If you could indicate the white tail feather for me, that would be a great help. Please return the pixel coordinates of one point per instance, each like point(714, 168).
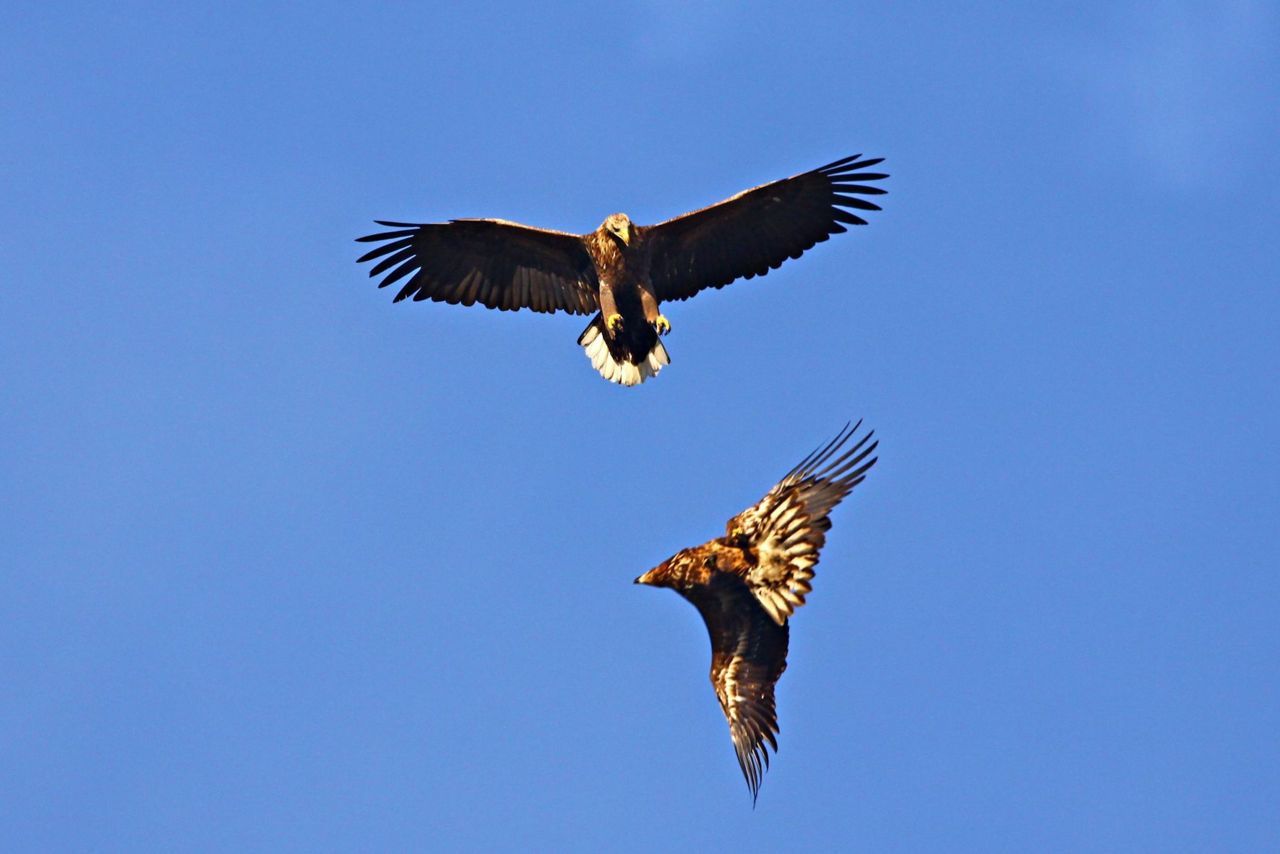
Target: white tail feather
point(625, 373)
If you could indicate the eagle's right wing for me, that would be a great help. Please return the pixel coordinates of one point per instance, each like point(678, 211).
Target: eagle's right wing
point(499, 264)
point(787, 528)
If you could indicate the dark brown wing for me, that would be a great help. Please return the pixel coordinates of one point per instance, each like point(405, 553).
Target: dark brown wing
point(496, 263)
point(756, 230)
point(748, 654)
point(787, 528)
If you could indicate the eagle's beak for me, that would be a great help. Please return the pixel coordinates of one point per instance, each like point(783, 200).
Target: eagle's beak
point(646, 578)
point(625, 234)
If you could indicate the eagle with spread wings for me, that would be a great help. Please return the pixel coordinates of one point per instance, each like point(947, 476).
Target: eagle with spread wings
point(747, 583)
point(623, 272)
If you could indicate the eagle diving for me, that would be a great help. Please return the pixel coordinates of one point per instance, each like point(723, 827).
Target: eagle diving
point(748, 583)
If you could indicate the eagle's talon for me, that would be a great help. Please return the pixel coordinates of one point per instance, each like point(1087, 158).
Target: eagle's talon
point(614, 323)
point(661, 325)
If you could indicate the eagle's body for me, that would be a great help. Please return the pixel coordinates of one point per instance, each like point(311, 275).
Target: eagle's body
point(630, 351)
point(622, 272)
point(747, 584)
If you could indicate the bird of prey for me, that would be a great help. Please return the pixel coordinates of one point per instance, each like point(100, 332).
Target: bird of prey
point(622, 272)
point(748, 582)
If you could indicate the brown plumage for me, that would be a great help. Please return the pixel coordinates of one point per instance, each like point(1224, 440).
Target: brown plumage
point(622, 271)
point(747, 583)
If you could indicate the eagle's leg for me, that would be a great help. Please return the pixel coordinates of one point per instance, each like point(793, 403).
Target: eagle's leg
point(651, 314)
point(609, 308)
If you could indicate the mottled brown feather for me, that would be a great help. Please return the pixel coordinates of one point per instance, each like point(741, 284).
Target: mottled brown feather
point(736, 590)
point(748, 655)
point(786, 529)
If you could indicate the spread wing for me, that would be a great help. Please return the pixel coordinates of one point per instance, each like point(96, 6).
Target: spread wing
point(755, 231)
point(748, 654)
point(496, 263)
point(787, 528)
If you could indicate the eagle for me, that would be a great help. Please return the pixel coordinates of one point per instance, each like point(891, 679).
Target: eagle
point(623, 272)
point(747, 584)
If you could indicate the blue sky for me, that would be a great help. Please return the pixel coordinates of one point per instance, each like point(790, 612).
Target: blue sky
point(286, 566)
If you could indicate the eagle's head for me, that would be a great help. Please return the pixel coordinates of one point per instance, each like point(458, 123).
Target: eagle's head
point(686, 568)
point(619, 226)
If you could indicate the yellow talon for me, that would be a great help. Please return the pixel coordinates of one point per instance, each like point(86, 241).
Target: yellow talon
point(614, 323)
point(662, 325)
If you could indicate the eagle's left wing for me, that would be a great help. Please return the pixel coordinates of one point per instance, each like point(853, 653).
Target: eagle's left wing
point(755, 231)
point(787, 528)
point(748, 654)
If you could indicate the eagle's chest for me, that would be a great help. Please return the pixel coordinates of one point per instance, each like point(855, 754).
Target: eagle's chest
point(621, 269)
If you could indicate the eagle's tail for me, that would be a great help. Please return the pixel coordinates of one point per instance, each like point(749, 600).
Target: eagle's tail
point(629, 359)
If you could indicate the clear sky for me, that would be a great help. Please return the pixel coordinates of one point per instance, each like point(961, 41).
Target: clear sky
point(288, 567)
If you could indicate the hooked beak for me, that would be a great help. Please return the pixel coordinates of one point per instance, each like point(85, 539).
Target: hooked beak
point(625, 234)
point(646, 578)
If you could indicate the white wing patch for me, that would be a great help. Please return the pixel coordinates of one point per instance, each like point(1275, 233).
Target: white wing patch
point(752, 721)
point(787, 548)
point(787, 528)
point(746, 662)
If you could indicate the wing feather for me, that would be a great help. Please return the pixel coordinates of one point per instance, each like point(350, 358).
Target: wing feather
point(787, 528)
point(500, 264)
point(748, 655)
point(755, 231)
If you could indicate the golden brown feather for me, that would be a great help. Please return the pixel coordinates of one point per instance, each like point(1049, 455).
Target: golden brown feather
point(747, 583)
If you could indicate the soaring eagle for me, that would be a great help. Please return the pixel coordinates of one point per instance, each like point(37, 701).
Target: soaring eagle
point(748, 582)
point(623, 271)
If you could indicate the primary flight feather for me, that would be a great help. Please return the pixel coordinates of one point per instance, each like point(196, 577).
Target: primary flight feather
point(748, 583)
point(622, 272)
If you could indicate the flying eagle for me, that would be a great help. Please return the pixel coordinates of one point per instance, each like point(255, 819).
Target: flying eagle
point(622, 272)
point(748, 582)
